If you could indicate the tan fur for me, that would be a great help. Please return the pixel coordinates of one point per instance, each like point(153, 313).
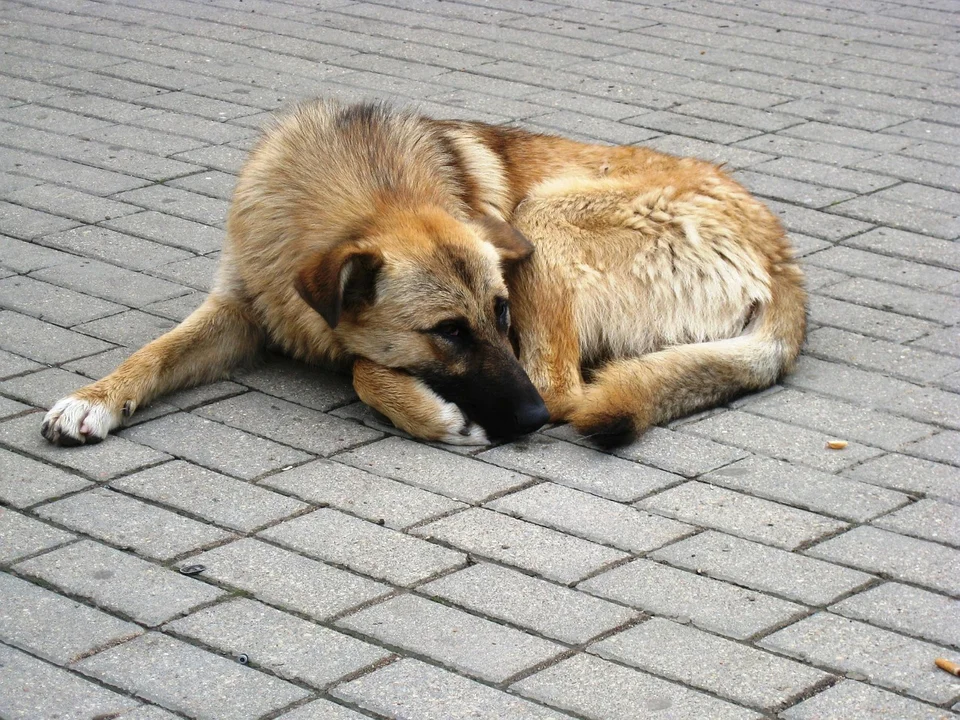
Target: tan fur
point(354, 232)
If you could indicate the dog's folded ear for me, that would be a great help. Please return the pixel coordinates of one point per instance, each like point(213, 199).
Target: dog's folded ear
point(342, 278)
point(512, 245)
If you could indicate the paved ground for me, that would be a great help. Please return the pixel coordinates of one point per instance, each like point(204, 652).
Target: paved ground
point(729, 566)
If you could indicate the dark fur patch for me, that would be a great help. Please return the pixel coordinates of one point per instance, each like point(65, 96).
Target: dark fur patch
point(611, 432)
point(366, 114)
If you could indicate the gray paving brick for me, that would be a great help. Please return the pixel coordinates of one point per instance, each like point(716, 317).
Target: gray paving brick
point(548, 609)
point(360, 493)
point(663, 449)
point(806, 149)
point(907, 301)
point(913, 364)
point(467, 643)
point(690, 598)
point(292, 648)
point(128, 523)
point(24, 257)
point(925, 172)
point(921, 196)
point(926, 519)
point(190, 680)
point(841, 419)
point(412, 689)
point(880, 209)
point(287, 423)
point(110, 282)
point(70, 203)
point(51, 303)
point(178, 308)
point(779, 440)
point(854, 699)
point(884, 268)
point(580, 467)
point(454, 476)
point(741, 515)
point(840, 115)
point(865, 320)
point(587, 516)
point(298, 383)
point(53, 627)
point(893, 556)
point(31, 688)
point(806, 488)
point(906, 609)
point(796, 191)
point(590, 129)
point(210, 496)
point(138, 138)
point(22, 536)
point(942, 341)
point(364, 547)
point(215, 446)
point(43, 341)
point(10, 408)
point(910, 474)
point(11, 365)
point(599, 689)
point(195, 272)
point(760, 119)
point(171, 231)
point(132, 329)
point(212, 183)
point(763, 568)
point(114, 247)
point(941, 447)
point(885, 658)
point(735, 672)
point(322, 710)
point(145, 592)
point(99, 462)
point(730, 156)
point(287, 580)
point(548, 553)
point(24, 481)
point(866, 139)
point(172, 201)
point(815, 222)
point(23, 222)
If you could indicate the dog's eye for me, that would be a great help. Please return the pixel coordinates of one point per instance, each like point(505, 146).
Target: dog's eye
point(502, 310)
point(450, 330)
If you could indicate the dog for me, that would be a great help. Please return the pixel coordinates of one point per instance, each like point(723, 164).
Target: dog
point(480, 281)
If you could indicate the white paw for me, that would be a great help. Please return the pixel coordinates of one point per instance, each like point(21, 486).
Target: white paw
point(461, 431)
point(73, 421)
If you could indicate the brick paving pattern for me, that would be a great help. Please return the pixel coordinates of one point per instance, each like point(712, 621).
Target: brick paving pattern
point(726, 566)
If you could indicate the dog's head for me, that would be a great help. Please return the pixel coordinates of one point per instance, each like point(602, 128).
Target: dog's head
point(423, 292)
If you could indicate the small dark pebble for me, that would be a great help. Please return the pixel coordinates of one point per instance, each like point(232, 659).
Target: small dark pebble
point(381, 521)
point(243, 659)
point(192, 569)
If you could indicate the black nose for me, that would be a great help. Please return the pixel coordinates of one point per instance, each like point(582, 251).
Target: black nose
point(530, 417)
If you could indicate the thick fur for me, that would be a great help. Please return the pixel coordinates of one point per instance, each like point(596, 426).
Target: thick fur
point(388, 242)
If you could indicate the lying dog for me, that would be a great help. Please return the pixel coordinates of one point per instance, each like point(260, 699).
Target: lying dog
point(480, 281)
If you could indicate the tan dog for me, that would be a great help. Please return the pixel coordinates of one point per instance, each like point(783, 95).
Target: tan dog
point(396, 244)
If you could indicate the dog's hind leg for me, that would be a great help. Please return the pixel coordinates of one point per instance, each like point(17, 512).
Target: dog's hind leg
point(628, 395)
point(412, 406)
point(218, 335)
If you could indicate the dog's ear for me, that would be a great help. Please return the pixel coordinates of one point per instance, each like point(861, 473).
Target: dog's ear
point(510, 242)
point(339, 279)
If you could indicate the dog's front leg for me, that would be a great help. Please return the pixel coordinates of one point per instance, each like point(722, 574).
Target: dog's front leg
point(217, 336)
point(412, 406)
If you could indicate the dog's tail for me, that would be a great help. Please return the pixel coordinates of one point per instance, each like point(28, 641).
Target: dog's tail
point(628, 395)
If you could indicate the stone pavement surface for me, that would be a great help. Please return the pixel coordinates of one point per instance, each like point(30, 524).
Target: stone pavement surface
point(727, 566)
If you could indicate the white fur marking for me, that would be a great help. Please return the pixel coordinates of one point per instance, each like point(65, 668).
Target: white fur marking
point(79, 419)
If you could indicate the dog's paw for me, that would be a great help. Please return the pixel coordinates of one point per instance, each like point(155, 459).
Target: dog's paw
point(460, 430)
point(74, 421)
